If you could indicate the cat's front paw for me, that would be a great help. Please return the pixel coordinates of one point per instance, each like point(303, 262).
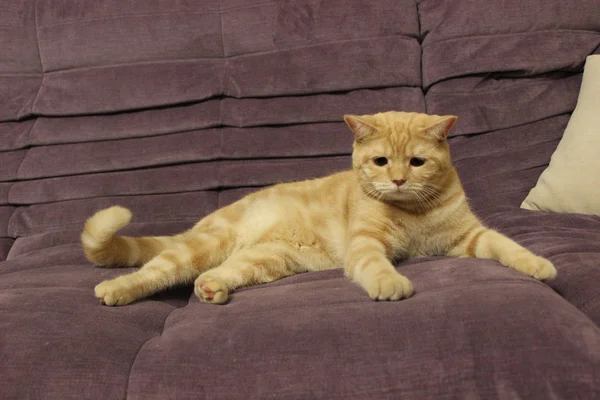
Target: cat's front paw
point(388, 285)
point(210, 289)
point(535, 266)
point(115, 292)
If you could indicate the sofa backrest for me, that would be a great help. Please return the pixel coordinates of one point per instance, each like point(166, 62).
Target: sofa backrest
point(175, 108)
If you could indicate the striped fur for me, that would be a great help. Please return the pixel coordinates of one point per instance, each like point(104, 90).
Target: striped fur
point(359, 219)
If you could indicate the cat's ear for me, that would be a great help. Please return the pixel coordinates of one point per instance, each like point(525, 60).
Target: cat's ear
point(441, 128)
point(359, 126)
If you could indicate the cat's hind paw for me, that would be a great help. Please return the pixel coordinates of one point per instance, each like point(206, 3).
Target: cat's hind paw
point(114, 292)
point(210, 290)
point(536, 267)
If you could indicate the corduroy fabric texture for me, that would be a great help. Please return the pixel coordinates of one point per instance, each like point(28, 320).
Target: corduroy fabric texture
point(175, 108)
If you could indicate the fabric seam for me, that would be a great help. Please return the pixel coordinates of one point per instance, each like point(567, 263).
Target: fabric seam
point(524, 33)
point(142, 347)
point(402, 37)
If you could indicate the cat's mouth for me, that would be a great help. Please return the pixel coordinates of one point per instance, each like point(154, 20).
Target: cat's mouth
point(391, 191)
point(405, 192)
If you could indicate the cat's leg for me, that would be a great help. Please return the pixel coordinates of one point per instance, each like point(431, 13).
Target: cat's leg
point(261, 263)
point(368, 265)
point(482, 242)
point(179, 264)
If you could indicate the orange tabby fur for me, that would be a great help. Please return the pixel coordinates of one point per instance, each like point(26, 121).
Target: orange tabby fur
point(358, 219)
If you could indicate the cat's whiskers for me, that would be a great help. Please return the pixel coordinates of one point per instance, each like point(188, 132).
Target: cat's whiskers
point(426, 202)
point(431, 189)
point(422, 201)
point(372, 191)
point(418, 199)
point(431, 194)
point(431, 198)
point(375, 191)
point(426, 196)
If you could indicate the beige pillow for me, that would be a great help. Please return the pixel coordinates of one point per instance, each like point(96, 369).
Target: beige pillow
point(571, 183)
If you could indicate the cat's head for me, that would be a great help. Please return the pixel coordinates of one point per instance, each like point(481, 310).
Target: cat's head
point(401, 156)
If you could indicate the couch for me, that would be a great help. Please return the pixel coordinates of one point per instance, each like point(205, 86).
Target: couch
point(175, 108)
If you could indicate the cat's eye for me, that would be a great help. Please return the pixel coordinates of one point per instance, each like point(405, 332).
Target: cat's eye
point(380, 161)
point(417, 162)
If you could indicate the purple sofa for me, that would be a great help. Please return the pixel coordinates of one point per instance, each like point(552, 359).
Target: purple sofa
point(175, 108)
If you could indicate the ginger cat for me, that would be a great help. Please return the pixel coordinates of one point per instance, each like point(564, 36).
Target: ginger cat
point(403, 198)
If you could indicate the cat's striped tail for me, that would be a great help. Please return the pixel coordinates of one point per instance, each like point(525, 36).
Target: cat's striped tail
point(102, 247)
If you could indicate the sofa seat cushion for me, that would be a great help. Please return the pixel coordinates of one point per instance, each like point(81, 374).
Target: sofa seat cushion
point(473, 329)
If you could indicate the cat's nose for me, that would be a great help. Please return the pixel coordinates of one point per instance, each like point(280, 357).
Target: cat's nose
point(399, 182)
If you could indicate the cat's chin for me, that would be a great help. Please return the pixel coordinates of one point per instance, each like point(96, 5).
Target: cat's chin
point(396, 195)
